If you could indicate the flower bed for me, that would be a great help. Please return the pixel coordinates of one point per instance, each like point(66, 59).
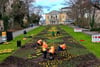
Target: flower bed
point(4, 51)
point(73, 56)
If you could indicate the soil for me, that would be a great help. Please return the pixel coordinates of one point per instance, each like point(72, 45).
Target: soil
point(74, 56)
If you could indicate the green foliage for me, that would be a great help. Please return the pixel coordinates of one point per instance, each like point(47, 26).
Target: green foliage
point(95, 29)
point(19, 11)
point(0, 33)
point(35, 18)
point(92, 23)
point(0, 16)
point(5, 19)
point(54, 40)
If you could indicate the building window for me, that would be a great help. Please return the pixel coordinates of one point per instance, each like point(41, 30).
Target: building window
point(56, 16)
point(63, 16)
point(47, 17)
point(51, 16)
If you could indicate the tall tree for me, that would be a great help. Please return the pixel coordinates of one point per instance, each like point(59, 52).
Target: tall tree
point(27, 3)
point(81, 11)
point(35, 18)
point(2, 7)
point(96, 3)
point(18, 12)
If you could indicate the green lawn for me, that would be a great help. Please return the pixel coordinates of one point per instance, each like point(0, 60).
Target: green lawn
point(12, 44)
point(92, 47)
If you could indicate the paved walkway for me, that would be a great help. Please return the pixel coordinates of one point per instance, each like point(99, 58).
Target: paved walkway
point(86, 31)
point(17, 33)
point(21, 31)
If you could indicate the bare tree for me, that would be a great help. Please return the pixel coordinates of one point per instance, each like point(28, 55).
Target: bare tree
point(37, 15)
point(96, 3)
point(81, 11)
point(2, 6)
point(27, 3)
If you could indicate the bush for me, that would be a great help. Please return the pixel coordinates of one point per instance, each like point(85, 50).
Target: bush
point(95, 29)
point(5, 19)
point(0, 33)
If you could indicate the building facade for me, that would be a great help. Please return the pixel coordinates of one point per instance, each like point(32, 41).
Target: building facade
point(52, 17)
point(57, 17)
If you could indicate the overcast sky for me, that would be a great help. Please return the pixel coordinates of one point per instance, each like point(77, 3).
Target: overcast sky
point(49, 5)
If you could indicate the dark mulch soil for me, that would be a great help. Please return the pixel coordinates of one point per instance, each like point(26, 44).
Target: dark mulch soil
point(18, 62)
point(88, 60)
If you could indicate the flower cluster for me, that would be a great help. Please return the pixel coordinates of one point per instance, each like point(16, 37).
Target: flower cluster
point(6, 51)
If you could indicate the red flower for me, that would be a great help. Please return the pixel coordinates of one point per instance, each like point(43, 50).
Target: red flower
point(82, 40)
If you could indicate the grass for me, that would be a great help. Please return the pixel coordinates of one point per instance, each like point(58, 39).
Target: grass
point(12, 44)
point(92, 47)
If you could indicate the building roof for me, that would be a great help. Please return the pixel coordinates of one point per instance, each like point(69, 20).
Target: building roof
point(53, 12)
